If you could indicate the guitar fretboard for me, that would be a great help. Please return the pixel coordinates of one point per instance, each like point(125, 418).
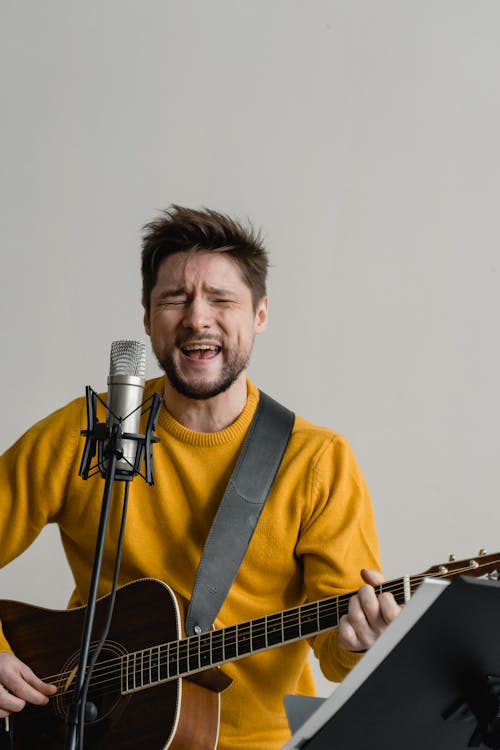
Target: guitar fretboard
point(169, 661)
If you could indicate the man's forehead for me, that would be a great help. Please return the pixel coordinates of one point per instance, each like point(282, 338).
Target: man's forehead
point(212, 269)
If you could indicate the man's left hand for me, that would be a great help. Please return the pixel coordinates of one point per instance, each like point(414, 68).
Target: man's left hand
point(368, 614)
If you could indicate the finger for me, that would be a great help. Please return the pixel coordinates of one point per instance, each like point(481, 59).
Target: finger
point(347, 638)
point(39, 685)
point(362, 613)
point(22, 690)
point(389, 608)
point(370, 606)
point(373, 577)
point(18, 689)
point(22, 686)
point(10, 703)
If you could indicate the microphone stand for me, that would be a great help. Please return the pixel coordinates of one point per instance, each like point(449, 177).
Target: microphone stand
point(108, 444)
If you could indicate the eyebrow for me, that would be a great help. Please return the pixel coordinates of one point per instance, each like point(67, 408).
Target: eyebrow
point(221, 292)
point(171, 292)
point(181, 290)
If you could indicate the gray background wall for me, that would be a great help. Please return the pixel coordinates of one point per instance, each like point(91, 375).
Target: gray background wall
point(362, 136)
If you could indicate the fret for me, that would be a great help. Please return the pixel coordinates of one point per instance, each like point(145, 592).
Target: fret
point(124, 675)
point(327, 617)
point(244, 639)
point(291, 630)
point(205, 652)
point(138, 666)
point(134, 658)
point(302, 614)
point(182, 656)
point(238, 641)
point(308, 616)
point(217, 648)
point(274, 629)
point(141, 668)
point(193, 649)
point(230, 651)
point(259, 634)
point(148, 653)
point(167, 661)
point(153, 665)
point(131, 672)
point(158, 663)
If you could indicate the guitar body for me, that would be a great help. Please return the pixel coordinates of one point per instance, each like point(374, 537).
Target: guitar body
point(178, 715)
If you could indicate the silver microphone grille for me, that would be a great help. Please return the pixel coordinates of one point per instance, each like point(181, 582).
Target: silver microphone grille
point(128, 358)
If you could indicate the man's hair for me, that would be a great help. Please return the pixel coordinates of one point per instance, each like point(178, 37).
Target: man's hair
point(181, 229)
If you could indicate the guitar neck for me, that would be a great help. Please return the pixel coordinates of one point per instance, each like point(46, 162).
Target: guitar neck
point(196, 653)
point(182, 658)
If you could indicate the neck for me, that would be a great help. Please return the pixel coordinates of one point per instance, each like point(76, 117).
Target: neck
point(211, 414)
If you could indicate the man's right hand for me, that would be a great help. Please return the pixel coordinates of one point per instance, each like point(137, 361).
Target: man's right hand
point(20, 685)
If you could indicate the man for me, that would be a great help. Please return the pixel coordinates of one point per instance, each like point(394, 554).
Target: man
point(204, 297)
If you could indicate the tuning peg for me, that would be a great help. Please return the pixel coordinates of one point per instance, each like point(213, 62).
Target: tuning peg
point(482, 552)
point(451, 558)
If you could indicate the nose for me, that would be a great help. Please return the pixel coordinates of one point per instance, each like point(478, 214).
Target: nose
point(197, 315)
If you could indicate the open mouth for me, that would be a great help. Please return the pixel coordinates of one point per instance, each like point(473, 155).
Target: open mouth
point(200, 351)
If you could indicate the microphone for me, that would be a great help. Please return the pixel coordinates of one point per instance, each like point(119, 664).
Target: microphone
point(126, 380)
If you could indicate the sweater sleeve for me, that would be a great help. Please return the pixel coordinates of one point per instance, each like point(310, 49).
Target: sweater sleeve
point(338, 539)
point(34, 478)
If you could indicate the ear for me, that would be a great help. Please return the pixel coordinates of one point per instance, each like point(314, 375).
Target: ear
point(261, 315)
point(146, 324)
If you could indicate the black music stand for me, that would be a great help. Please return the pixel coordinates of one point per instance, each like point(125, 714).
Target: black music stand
point(431, 682)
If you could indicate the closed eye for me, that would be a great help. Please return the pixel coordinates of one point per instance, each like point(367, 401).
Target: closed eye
point(222, 301)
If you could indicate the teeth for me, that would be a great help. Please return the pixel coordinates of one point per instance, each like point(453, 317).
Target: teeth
point(197, 347)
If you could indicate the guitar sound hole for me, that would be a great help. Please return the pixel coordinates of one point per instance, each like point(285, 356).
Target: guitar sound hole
point(104, 689)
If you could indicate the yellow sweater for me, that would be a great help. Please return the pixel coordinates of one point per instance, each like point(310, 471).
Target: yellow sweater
point(315, 533)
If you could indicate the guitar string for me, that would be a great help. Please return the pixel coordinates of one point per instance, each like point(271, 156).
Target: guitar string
point(110, 670)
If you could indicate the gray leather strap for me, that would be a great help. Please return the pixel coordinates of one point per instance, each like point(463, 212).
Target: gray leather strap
point(239, 511)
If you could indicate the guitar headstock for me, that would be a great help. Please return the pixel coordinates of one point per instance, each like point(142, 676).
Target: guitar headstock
point(480, 565)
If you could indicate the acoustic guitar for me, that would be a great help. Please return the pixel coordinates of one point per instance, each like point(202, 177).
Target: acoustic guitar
point(152, 688)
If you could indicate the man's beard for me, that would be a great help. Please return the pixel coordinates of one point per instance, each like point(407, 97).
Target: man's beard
point(205, 390)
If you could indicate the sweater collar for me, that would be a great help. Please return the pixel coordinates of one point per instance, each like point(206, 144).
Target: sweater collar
point(234, 431)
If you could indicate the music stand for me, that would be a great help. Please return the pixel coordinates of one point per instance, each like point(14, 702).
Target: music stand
point(430, 682)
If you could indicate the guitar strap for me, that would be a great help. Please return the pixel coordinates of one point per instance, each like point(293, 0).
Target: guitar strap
point(239, 511)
